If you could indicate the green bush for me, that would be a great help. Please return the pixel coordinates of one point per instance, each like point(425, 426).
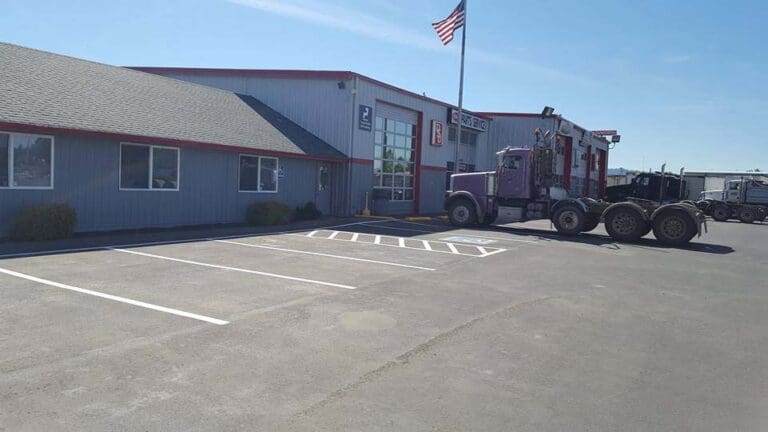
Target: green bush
point(308, 211)
point(45, 222)
point(268, 213)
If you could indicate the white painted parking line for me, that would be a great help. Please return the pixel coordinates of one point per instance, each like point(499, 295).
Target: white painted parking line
point(325, 255)
point(401, 242)
point(333, 236)
point(452, 248)
point(487, 254)
point(168, 242)
point(426, 244)
point(377, 239)
point(220, 267)
point(116, 298)
point(355, 237)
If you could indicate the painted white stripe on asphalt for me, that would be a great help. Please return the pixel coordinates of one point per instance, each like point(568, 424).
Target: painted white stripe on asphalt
point(482, 250)
point(427, 247)
point(273, 275)
point(377, 239)
point(182, 241)
point(452, 248)
point(325, 255)
point(355, 236)
point(333, 235)
point(116, 298)
point(401, 242)
point(492, 253)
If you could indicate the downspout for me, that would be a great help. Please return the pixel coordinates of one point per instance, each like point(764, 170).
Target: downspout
point(351, 147)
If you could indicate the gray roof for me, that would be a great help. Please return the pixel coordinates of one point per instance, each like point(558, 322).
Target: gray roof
point(55, 91)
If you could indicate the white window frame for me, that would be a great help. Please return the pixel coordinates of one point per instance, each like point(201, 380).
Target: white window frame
point(151, 170)
point(10, 162)
point(258, 178)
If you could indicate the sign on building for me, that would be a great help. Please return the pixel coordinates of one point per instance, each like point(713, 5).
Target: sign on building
point(365, 118)
point(437, 133)
point(467, 120)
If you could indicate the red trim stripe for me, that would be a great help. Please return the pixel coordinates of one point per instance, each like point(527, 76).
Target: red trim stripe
point(143, 139)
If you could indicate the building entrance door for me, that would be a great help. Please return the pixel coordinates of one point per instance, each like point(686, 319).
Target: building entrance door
point(323, 193)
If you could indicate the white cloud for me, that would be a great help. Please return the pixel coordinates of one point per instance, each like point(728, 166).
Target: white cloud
point(346, 19)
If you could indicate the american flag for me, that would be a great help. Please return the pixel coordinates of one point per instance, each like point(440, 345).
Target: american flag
point(446, 27)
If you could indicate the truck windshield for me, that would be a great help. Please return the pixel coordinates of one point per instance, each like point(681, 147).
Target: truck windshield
point(512, 162)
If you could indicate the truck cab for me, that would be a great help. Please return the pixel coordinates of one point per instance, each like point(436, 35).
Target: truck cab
point(647, 186)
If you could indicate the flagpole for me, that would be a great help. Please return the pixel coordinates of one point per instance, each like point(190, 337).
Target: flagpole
point(461, 91)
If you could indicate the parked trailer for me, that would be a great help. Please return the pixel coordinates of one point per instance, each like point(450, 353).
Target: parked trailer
point(522, 189)
point(744, 199)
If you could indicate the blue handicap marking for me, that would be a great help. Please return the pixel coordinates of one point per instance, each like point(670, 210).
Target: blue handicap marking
point(470, 240)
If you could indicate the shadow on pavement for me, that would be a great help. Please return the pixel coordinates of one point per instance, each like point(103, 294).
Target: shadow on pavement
point(407, 229)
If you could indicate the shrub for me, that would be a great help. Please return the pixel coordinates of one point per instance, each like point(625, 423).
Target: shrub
point(268, 213)
point(308, 211)
point(45, 222)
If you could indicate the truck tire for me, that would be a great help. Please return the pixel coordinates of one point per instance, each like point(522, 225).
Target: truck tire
point(592, 222)
point(625, 224)
point(569, 219)
point(461, 213)
point(747, 215)
point(674, 227)
point(721, 212)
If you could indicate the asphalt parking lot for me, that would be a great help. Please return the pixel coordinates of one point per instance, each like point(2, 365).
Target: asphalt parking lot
point(390, 325)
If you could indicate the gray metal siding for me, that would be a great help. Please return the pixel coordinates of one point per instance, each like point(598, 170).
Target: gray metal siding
point(86, 177)
point(318, 106)
point(432, 191)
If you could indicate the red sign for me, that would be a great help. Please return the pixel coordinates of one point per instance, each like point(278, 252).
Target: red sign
point(437, 133)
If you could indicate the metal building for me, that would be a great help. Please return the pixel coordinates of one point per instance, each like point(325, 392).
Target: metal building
point(200, 145)
point(697, 182)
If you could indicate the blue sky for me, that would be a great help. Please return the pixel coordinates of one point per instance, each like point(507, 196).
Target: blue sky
point(684, 81)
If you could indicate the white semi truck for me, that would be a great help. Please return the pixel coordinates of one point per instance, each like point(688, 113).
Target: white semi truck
point(743, 199)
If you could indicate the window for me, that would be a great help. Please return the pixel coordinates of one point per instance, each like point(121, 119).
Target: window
point(512, 162)
point(394, 157)
point(258, 174)
point(467, 137)
point(26, 161)
point(144, 167)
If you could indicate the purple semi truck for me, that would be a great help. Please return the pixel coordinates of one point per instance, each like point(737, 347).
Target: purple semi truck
point(523, 188)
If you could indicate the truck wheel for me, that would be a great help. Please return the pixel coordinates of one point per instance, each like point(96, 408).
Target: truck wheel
point(747, 215)
point(462, 213)
point(721, 213)
point(569, 219)
point(592, 222)
point(674, 227)
point(625, 224)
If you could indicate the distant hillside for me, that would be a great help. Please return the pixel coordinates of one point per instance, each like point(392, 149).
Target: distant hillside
point(620, 171)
